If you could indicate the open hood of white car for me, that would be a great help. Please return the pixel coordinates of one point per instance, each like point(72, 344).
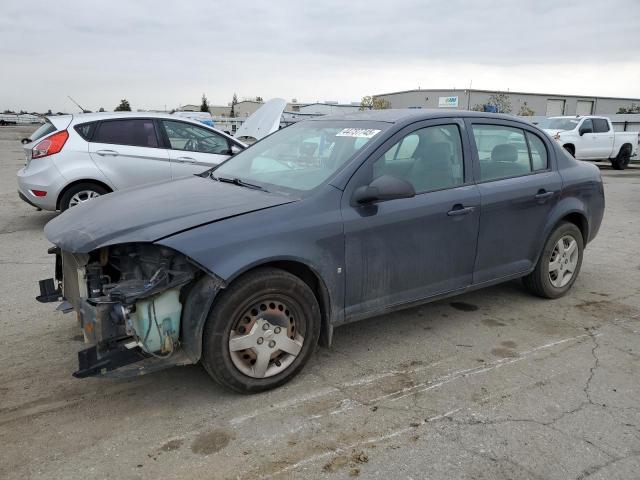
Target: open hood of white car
point(264, 121)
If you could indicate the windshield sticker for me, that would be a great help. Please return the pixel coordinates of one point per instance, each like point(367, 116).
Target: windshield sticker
point(357, 132)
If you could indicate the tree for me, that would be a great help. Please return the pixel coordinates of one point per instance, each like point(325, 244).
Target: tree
point(526, 111)
point(234, 102)
point(374, 103)
point(123, 107)
point(101, 109)
point(501, 101)
point(634, 108)
point(204, 106)
point(259, 99)
point(498, 102)
point(49, 112)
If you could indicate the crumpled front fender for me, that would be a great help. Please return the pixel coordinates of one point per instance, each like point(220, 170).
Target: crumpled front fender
point(196, 307)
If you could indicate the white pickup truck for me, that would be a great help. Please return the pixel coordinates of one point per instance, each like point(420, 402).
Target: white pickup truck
point(593, 138)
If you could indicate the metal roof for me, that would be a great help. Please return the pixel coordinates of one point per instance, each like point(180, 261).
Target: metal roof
point(507, 92)
point(395, 115)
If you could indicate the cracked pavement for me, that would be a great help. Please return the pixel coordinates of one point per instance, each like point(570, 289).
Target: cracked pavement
point(495, 384)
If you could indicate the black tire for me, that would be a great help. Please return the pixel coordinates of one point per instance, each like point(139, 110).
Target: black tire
point(622, 159)
point(66, 197)
point(538, 282)
point(229, 309)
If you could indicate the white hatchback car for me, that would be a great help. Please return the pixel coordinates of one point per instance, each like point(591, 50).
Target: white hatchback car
point(73, 158)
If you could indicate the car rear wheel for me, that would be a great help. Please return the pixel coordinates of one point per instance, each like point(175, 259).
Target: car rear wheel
point(80, 193)
point(559, 264)
point(261, 331)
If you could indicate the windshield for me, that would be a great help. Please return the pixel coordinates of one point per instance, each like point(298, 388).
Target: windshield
point(559, 123)
point(300, 157)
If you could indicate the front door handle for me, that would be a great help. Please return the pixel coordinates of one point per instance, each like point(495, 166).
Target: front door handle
point(185, 160)
point(107, 153)
point(543, 195)
point(460, 209)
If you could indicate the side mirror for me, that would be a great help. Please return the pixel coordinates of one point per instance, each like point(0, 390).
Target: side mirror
point(382, 189)
point(234, 150)
point(24, 141)
point(582, 131)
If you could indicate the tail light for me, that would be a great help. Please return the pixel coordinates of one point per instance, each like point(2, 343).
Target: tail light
point(50, 145)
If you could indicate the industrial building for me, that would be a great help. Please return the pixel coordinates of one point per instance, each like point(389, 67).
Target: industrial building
point(538, 104)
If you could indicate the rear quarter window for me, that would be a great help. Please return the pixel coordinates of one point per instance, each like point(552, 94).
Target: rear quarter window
point(85, 130)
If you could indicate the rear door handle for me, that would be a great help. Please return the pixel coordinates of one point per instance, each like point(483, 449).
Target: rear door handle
point(543, 195)
point(460, 209)
point(107, 153)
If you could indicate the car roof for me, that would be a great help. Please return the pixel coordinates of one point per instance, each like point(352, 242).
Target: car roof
point(401, 115)
point(88, 117)
point(76, 118)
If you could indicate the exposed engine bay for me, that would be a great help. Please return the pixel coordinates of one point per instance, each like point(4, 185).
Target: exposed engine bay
point(129, 300)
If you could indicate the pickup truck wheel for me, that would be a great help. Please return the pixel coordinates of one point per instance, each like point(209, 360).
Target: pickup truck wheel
point(80, 193)
point(261, 331)
point(559, 264)
point(622, 160)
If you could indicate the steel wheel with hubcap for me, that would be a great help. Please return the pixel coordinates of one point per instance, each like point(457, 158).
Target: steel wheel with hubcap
point(264, 341)
point(559, 263)
point(261, 331)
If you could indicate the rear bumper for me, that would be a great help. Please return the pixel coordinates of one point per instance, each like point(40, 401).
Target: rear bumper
point(25, 199)
point(43, 177)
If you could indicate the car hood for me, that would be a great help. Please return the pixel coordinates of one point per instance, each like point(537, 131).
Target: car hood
point(153, 212)
point(553, 131)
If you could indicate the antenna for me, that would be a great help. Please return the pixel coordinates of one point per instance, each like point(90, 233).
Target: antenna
point(82, 110)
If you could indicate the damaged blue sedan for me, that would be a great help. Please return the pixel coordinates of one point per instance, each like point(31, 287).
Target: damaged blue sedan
point(245, 268)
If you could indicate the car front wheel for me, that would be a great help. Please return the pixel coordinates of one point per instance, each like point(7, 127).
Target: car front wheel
point(559, 264)
point(261, 331)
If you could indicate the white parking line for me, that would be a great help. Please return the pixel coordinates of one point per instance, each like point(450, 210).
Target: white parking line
point(368, 441)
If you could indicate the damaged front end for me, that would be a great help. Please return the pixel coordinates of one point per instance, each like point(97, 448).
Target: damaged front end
point(130, 302)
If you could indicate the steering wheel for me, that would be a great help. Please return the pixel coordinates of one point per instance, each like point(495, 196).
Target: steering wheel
point(191, 145)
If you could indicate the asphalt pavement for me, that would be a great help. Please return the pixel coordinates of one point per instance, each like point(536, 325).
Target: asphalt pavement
point(495, 384)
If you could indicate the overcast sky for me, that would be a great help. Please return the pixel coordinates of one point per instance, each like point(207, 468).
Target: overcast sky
point(168, 52)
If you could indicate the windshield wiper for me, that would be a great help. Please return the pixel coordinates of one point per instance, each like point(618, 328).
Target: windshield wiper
point(238, 182)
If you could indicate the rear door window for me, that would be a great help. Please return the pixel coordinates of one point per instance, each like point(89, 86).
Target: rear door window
point(191, 138)
point(600, 125)
point(136, 132)
point(539, 158)
point(502, 151)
